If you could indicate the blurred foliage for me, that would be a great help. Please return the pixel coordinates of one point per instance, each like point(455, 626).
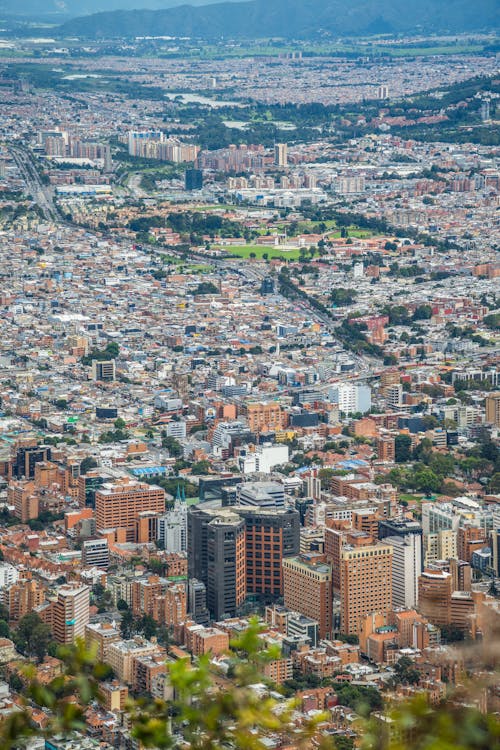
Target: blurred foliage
point(209, 712)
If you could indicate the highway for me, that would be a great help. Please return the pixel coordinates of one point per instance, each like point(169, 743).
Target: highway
point(34, 184)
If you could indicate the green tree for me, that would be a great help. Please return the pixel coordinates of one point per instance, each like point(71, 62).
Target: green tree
point(88, 463)
point(402, 448)
point(127, 624)
point(405, 672)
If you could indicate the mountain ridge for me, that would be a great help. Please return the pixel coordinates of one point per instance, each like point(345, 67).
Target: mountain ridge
point(291, 18)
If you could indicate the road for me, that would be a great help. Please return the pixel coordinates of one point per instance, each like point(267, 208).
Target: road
point(41, 195)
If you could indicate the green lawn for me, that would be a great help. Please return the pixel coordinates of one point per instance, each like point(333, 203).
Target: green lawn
point(360, 234)
point(243, 251)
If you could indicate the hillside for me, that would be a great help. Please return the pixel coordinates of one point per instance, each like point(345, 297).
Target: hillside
point(292, 18)
point(61, 11)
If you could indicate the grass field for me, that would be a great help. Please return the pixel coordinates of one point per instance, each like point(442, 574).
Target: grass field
point(243, 251)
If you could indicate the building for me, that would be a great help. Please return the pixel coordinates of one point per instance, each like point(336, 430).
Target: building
point(201, 640)
point(26, 502)
point(217, 557)
point(264, 416)
point(492, 406)
point(406, 569)
point(281, 154)
point(114, 696)
point(104, 371)
point(101, 635)
point(469, 539)
point(307, 584)
point(441, 545)
point(118, 505)
point(270, 536)
point(121, 655)
point(23, 597)
point(70, 613)
point(8, 575)
point(172, 528)
point(193, 179)
point(95, 554)
point(261, 494)
point(365, 583)
point(435, 588)
point(351, 398)
point(197, 602)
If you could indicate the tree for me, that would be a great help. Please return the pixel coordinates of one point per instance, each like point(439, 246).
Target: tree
point(121, 605)
point(422, 312)
point(200, 467)
point(427, 481)
point(39, 641)
point(127, 624)
point(172, 445)
point(148, 626)
point(405, 672)
point(88, 463)
point(203, 716)
point(402, 448)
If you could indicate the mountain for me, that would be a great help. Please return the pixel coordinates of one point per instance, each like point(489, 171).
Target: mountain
point(291, 18)
point(64, 9)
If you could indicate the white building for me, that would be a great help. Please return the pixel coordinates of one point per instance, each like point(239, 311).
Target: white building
point(352, 398)
point(263, 459)
point(8, 575)
point(176, 430)
point(406, 569)
point(172, 528)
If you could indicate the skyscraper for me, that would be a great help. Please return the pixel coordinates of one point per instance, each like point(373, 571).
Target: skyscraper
point(308, 589)
point(365, 583)
point(70, 613)
point(216, 556)
point(119, 504)
point(280, 154)
point(172, 527)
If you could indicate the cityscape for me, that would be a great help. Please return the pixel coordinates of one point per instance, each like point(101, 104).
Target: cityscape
point(249, 384)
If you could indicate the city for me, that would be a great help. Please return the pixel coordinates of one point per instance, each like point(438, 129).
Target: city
point(249, 386)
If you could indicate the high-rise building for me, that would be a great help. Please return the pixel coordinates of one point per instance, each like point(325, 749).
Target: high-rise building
point(95, 553)
point(351, 398)
point(217, 557)
point(469, 539)
point(193, 179)
point(102, 634)
point(197, 601)
point(172, 528)
point(264, 416)
point(365, 583)
point(388, 378)
point(25, 459)
point(270, 535)
point(492, 405)
point(261, 494)
point(307, 581)
point(281, 154)
point(406, 569)
point(104, 371)
point(119, 504)
point(71, 613)
point(435, 588)
point(23, 597)
point(441, 545)
point(25, 500)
